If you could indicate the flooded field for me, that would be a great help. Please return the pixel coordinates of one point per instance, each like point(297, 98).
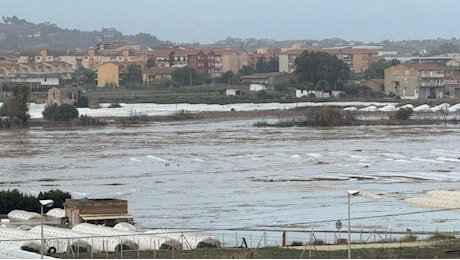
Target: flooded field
point(231, 174)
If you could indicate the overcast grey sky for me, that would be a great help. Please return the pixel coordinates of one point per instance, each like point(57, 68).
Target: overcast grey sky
point(206, 21)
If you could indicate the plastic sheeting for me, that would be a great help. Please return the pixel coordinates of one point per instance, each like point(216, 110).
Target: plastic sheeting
point(51, 243)
point(132, 240)
point(72, 238)
point(189, 240)
point(56, 213)
point(125, 226)
point(19, 244)
point(7, 252)
point(23, 215)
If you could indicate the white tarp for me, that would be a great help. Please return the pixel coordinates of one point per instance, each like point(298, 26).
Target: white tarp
point(23, 215)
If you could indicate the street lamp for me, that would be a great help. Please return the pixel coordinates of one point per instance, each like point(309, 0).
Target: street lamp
point(350, 193)
point(43, 203)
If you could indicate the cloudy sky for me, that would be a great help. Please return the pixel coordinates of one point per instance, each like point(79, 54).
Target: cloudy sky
point(206, 21)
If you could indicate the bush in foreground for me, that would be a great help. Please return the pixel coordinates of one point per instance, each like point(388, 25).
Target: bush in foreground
point(64, 112)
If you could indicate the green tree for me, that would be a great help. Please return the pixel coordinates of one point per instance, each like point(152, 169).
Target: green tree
point(14, 199)
point(263, 66)
point(84, 77)
point(229, 78)
point(316, 66)
point(246, 70)
point(187, 76)
point(16, 106)
point(150, 63)
point(57, 196)
point(133, 75)
point(376, 70)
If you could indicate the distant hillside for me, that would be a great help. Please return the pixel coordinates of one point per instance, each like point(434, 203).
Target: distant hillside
point(20, 35)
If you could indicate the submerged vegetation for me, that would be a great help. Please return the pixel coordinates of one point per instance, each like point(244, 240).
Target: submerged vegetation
point(328, 116)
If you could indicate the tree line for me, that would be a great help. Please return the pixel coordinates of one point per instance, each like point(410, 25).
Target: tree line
point(14, 199)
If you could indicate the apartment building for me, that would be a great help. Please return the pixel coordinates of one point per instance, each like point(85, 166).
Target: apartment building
point(203, 61)
point(357, 59)
point(228, 59)
point(415, 80)
point(287, 59)
point(170, 56)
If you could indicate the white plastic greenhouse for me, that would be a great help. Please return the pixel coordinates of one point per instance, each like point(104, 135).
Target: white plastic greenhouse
point(56, 213)
point(129, 240)
point(51, 243)
point(77, 241)
point(187, 239)
point(19, 244)
point(125, 226)
point(23, 215)
point(7, 252)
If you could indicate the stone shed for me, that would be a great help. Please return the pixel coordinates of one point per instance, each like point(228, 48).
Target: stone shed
point(69, 95)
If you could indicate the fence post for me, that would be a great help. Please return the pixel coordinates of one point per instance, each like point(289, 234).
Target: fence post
point(283, 243)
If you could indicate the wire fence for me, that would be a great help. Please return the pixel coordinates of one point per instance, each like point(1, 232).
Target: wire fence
point(134, 244)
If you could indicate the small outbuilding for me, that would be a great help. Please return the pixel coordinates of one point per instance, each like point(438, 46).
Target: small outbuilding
point(107, 212)
point(61, 96)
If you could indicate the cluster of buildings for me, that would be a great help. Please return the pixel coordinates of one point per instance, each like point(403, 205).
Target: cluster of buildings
point(110, 62)
point(429, 77)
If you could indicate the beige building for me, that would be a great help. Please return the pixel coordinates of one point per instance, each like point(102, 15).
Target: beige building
point(108, 75)
point(227, 59)
point(287, 59)
point(415, 81)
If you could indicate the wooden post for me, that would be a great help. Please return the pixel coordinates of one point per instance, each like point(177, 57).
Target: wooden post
point(284, 239)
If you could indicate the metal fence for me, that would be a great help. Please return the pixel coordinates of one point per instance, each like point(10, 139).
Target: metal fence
point(248, 238)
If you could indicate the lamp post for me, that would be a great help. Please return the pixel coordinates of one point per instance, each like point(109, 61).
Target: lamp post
point(43, 203)
point(350, 193)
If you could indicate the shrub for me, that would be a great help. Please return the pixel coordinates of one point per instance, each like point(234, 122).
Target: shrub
point(403, 113)
point(296, 243)
point(82, 102)
point(261, 123)
point(114, 105)
point(327, 116)
point(409, 238)
point(317, 242)
point(64, 112)
point(441, 236)
point(85, 120)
